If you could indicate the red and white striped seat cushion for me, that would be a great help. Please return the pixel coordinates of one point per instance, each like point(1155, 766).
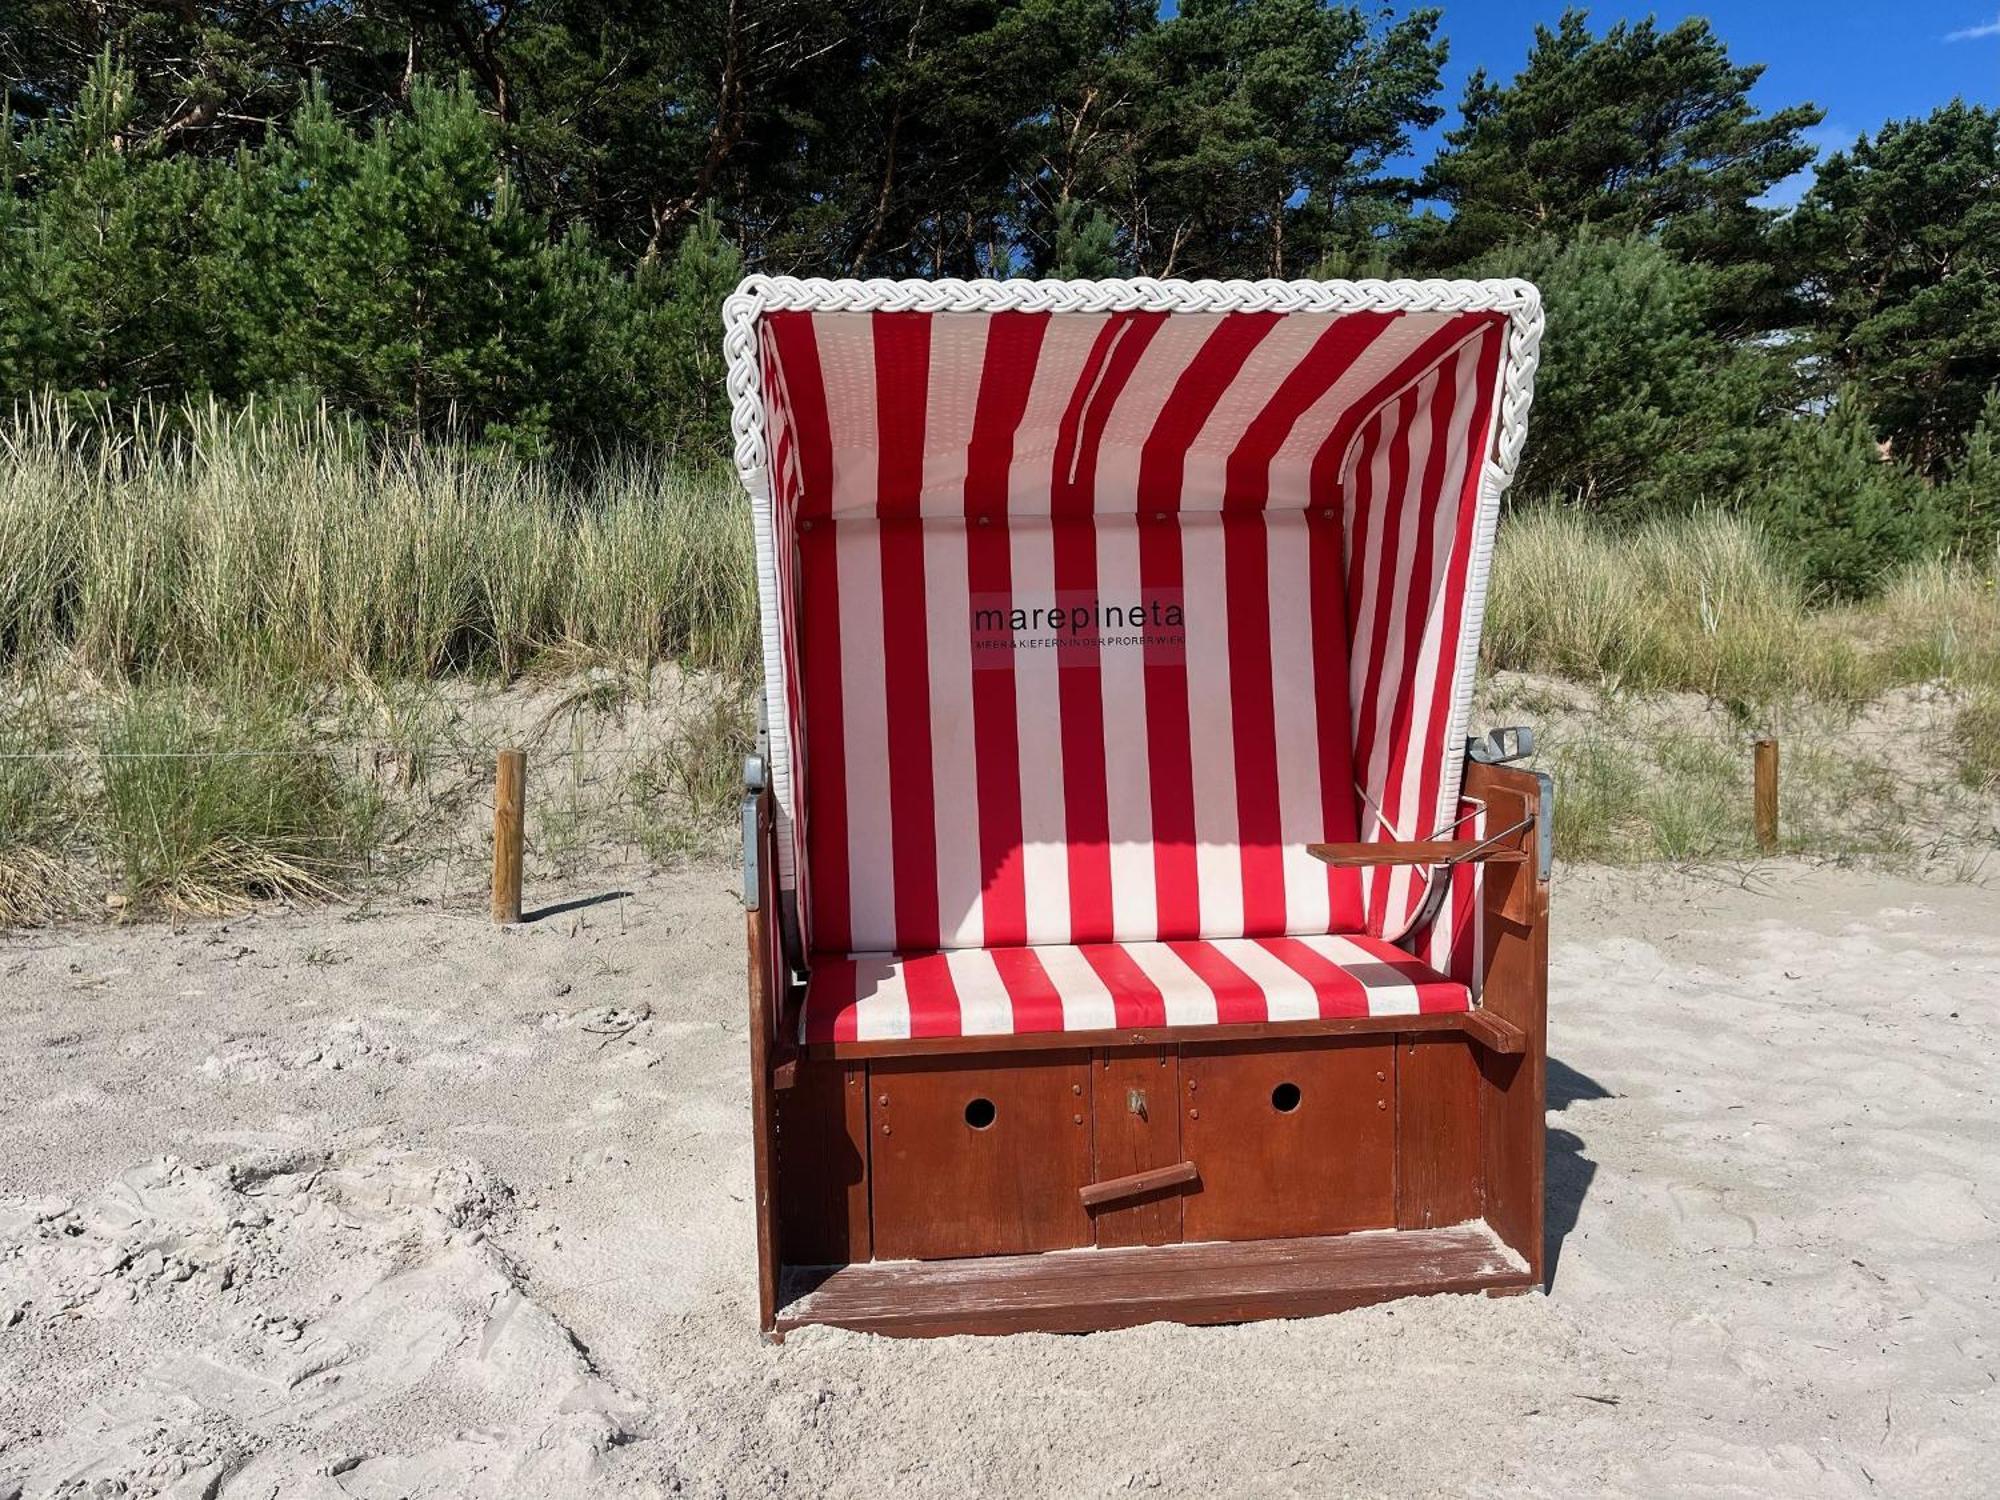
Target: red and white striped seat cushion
point(1117, 986)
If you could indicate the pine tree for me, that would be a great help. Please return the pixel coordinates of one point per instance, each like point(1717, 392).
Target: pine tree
point(102, 231)
point(1900, 240)
point(1971, 502)
point(1844, 512)
point(1086, 242)
point(1639, 131)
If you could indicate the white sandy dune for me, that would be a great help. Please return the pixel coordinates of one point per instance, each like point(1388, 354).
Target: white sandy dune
point(388, 1203)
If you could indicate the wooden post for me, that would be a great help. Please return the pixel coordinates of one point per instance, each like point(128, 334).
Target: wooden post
point(510, 778)
point(1767, 794)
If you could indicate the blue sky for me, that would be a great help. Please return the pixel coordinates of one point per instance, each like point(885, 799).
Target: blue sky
point(1862, 61)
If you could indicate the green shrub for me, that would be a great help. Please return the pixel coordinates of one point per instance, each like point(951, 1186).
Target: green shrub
point(1640, 408)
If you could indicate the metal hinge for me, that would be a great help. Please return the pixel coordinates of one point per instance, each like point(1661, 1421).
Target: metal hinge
point(753, 789)
point(1500, 747)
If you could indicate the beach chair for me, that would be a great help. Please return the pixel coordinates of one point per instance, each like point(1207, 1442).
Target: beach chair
point(1135, 932)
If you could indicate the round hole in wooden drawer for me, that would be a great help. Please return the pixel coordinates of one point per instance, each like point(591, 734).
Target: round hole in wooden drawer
point(980, 1113)
point(1285, 1098)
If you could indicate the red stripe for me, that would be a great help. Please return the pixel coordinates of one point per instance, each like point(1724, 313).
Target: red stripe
point(1246, 543)
point(934, 1006)
point(1113, 356)
point(902, 386)
point(830, 998)
point(1338, 992)
point(1380, 561)
point(902, 378)
point(826, 758)
point(1169, 741)
point(1163, 457)
point(1248, 476)
point(1013, 345)
point(805, 390)
point(1169, 749)
point(785, 565)
point(1238, 997)
point(1434, 991)
point(1079, 676)
point(1013, 348)
point(1135, 999)
point(1037, 1005)
point(1338, 805)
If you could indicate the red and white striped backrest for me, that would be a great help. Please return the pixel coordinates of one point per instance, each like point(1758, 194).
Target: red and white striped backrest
point(976, 531)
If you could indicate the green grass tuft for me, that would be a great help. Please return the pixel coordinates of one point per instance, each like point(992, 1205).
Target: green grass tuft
point(192, 824)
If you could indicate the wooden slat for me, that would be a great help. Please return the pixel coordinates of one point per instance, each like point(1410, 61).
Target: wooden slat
point(1414, 852)
point(1080, 1291)
point(822, 1164)
point(1136, 1184)
point(761, 937)
point(942, 1186)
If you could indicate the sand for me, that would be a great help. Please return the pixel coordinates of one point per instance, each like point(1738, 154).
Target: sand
point(386, 1202)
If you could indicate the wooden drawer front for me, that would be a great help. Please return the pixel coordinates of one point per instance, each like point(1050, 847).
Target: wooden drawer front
point(1135, 1096)
point(979, 1155)
point(1290, 1138)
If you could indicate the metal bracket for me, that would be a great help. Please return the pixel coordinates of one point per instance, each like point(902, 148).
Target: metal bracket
point(1500, 747)
point(1545, 827)
point(753, 790)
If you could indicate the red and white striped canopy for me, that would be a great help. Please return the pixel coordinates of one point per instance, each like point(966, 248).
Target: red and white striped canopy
point(1087, 605)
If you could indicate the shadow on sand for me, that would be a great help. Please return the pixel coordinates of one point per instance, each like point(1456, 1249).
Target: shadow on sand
point(1569, 1170)
point(556, 909)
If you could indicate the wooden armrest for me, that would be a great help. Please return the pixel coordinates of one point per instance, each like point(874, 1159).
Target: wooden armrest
point(1495, 1033)
point(1416, 852)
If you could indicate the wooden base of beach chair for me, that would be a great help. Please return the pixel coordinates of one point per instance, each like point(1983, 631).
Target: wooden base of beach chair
point(1197, 1174)
point(1086, 1291)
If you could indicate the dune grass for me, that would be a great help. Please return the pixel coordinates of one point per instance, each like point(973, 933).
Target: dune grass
point(202, 580)
point(206, 543)
point(690, 785)
point(1694, 604)
point(1704, 604)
